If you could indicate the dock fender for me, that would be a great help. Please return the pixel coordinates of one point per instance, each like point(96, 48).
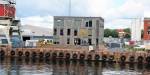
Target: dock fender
point(20, 53)
point(123, 58)
point(12, 53)
point(2, 53)
point(34, 54)
point(27, 54)
point(67, 55)
point(111, 57)
point(41, 54)
point(140, 59)
point(131, 59)
point(47, 54)
point(54, 55)
point(61, 54)
point(89, 57)
point(75, 56)
point(82, 56)
point(148, 59)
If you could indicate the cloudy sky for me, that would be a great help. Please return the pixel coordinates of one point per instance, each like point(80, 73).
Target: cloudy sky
point(115, 12)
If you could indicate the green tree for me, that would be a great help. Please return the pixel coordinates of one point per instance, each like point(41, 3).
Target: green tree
point(107, 32)
point(128, 33)
point(110, 32)
point(114, 33)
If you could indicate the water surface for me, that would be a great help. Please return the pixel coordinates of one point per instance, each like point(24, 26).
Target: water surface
point(22, 66)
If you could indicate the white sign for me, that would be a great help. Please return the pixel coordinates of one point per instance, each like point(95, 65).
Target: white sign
point(91, 48)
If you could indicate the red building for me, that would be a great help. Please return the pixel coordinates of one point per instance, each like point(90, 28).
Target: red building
point(146, 29)
point(7, 9)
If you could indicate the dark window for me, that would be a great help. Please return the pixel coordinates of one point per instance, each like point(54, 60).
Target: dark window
point(97, 41)
point(55, 31)
point(68, 31)
point(87, 24)
point(77, 41)
point(75, 32)
point(90, 41)
point(68, 41)
point(90, 23)
point(26, 38)
point(61, 32)
point(148, 30)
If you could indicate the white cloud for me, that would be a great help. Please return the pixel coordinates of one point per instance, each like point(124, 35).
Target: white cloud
point(120, 17)
point(43, 21)
point(111, 10)
point(146, 13)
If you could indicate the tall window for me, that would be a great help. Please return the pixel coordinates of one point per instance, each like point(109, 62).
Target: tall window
point(90, 23)
point(75, 32)
point(86, 24)
point(96, 41)
point(68, 40)
point(90, 41)
point(55, 31)
point(68, 31)
point(148, 30)
point(61, 32)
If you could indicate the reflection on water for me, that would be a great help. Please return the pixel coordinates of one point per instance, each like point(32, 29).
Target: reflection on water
point(20, 66)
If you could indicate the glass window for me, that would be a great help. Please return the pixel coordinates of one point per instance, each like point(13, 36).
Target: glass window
point(68, 40)
point(68, 31)
point(87, 24)
point(75, 32)
point(55, 31)
point(90, 23)
point(61, 32)
point(90, 41)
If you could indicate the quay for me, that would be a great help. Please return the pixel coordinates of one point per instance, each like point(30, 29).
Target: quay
point(80, 54)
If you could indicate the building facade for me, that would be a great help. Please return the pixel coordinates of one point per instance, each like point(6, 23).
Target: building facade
point(136, 29)
point(84, 31)
point(146, 29)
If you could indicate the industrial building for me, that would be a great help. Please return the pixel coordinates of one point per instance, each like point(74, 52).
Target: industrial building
point(146, 37)
point(8, 24)
point(83, 31)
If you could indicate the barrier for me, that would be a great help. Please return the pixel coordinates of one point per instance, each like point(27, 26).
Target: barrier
point(68, 54)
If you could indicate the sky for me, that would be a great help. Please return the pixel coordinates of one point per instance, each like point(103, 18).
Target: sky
point(116, 13)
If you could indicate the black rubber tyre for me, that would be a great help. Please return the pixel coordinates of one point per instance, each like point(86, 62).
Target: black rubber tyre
point(27, 54)
point(67, 56)
point(61, 55)
point(89, 57)
point(82, 56)
point(75, 56)
point(20, 53)
point(12, 53)
point(132, 59)
point(122, 58)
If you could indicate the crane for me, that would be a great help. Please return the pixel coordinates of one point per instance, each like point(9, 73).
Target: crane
point(7, 19)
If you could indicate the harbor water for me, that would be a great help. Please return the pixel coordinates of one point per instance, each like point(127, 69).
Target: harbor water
point(23, 66)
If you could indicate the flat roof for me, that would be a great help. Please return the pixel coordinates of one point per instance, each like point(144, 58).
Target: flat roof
point(78, 17)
